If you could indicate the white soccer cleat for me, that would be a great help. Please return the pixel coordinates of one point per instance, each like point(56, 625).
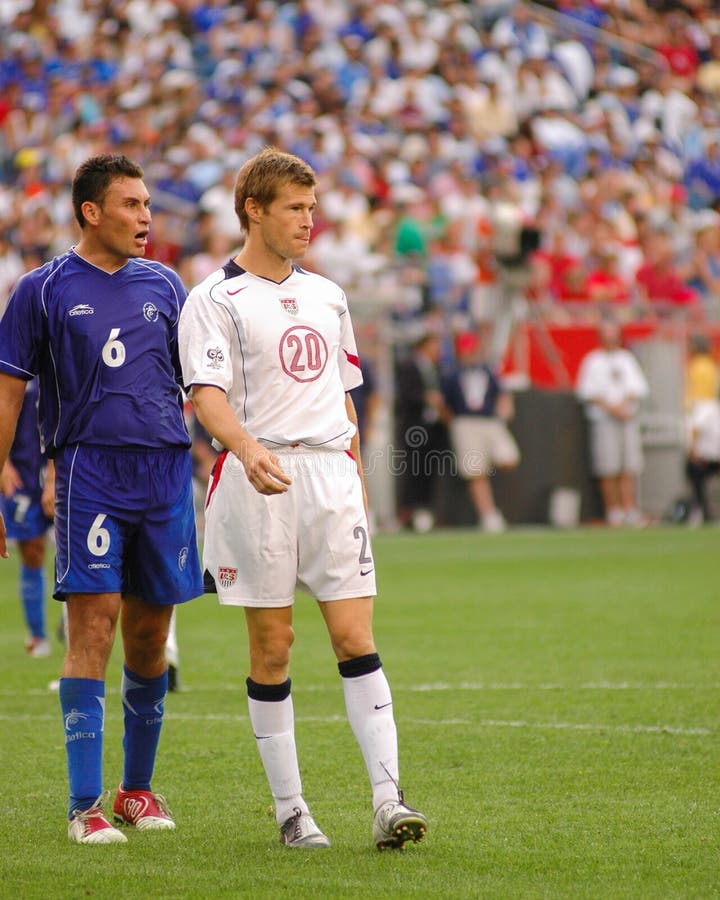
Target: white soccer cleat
point(301, 831)
point(396, 824)
point(494, 522)
point(89, 826)
point(37, 647)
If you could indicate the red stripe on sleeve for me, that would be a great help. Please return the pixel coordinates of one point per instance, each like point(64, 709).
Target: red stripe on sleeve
point(351, 358)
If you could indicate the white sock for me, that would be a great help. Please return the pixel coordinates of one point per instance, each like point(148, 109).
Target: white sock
point(273, 723)
point(368, 702)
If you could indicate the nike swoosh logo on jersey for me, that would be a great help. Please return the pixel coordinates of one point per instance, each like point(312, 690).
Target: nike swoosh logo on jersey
point(383, 705)
point(232, 293)
point(366, 572)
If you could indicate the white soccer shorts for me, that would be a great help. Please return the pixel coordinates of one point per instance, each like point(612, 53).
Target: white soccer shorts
point(314, 537)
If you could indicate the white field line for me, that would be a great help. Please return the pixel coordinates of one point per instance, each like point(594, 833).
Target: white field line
point(439, 686)
point(558, 686)
point(590, 727)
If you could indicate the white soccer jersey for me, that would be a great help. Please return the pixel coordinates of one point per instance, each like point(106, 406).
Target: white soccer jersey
point(283, 353)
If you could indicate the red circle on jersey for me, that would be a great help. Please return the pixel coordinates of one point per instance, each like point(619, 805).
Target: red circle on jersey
point(303, 353)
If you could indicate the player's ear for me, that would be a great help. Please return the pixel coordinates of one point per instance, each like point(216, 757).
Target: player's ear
point(253, 209)
point(91, 212)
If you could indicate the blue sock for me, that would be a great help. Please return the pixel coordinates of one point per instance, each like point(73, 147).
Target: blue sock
point(82, 701)
point(32, 594)
point(144, 704)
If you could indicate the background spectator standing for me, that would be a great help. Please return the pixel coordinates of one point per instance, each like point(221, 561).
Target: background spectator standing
point(421, 434)
point(481, 441)
point(611, 384)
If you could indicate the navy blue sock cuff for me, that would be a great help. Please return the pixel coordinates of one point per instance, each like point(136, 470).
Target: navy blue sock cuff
point(361, 665)
point(270, 693)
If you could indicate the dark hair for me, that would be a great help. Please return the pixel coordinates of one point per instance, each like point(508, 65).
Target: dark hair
point(94, 176)
point(262, 175)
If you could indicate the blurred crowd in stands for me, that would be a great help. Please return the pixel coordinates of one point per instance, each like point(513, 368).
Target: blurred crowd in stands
point(567, 151)
point(445, 134)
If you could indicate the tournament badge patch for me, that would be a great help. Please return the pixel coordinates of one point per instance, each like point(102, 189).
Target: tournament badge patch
point(290, 305)
point(227, 576)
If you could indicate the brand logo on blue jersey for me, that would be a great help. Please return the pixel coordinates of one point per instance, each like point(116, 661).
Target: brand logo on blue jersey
point(150, 311)
point(82, 309)
point(182, 559)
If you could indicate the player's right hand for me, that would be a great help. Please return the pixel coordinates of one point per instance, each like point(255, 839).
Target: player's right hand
point(263, 469)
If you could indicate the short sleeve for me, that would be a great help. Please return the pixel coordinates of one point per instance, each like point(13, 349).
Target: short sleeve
point(204, 338)
point(22, 330)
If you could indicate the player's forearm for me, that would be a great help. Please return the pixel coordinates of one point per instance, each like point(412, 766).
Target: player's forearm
point(12, 392)
point(355, 445)
point(217, 417)
point(262, 467)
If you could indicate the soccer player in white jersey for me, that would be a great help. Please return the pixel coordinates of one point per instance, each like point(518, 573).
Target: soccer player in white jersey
point(98, 326)
point(268, 357)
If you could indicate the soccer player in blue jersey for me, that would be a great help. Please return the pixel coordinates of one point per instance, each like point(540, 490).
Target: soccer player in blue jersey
point(98, 326)
point(21, 504)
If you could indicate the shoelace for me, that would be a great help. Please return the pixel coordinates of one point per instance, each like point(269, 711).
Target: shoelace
point(401, 795)
point(162, 804)
point(297, 830)
point(95, 811)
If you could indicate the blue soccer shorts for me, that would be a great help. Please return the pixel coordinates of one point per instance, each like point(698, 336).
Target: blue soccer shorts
point(125, 522)
point(24, 516)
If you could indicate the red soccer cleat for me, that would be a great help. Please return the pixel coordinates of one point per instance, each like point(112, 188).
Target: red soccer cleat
point(143, 809)
point(89, 826)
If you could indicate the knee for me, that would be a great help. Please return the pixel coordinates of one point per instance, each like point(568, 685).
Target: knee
point(352, 642)
point(270, 653)
point(277, 647)
point(147, 641)
point(144, 640)
point(89, 642)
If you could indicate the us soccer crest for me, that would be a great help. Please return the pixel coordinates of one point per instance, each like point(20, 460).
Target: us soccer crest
point(227, 576)
point(290, 305)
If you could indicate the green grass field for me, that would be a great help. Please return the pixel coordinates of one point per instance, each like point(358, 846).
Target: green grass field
point(557, 701)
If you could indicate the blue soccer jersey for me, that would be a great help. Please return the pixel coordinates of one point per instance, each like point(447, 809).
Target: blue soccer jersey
point(105, 349)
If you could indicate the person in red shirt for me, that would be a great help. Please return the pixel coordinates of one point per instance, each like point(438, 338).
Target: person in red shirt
point(604, 283)
point(658, 281)
point(678, 49)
